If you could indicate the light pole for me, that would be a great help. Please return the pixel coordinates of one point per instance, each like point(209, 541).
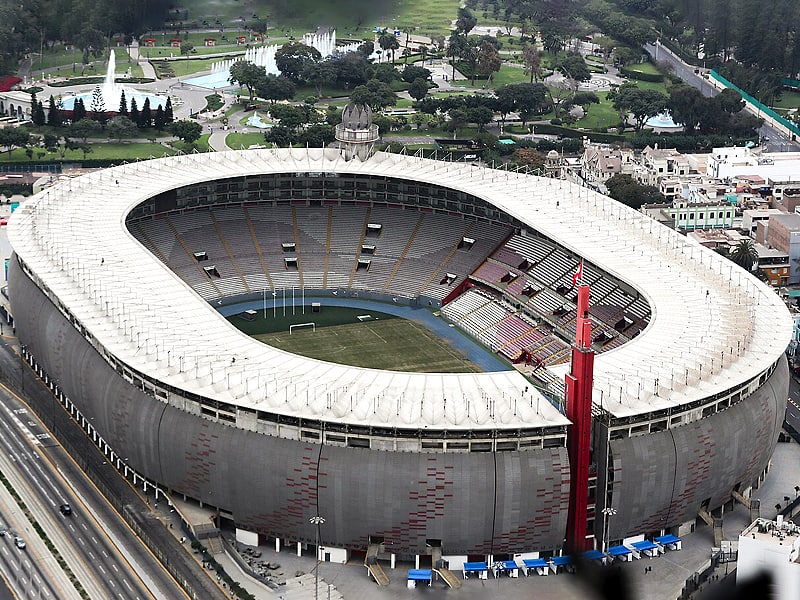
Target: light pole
point(608, 512)
point(317, 521)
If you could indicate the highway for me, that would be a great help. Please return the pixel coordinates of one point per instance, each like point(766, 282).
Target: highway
point(97, 544)
point(777, 140)
point(793, 405)
point(27, 454)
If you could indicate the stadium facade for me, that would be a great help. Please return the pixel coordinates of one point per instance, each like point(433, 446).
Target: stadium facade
point(113, 298)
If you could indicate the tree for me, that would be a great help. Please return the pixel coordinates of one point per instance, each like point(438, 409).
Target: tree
point(639, 103)
point(489, 61)
point(123, 104)
point(293, 57)
point(457, 47)
point(186, 130)
point(159, 118)
point(279, 136)
point(351, 69)
point(529, 158)
point(50, 142)
point(525, 99)
point(120, 127)
point(366, 48)
point(745, 255)
point(385, 72)
point(376, 94)
point(412, 72)
point(168, 116)
point(53, 113)
point(318, 135)
point(275, 87)
point(85, 128)
point(480, 115)
point(247, 74)
point(38, 116)
point(574, 67)
point(688, 106)
point(146, 115)
point(186, 48)
point(90, 41)
point(418, 89)
point(290, 117)
point(320, 74)
point(466, 21)
point(532, 60)
point(133, 114)
point(585, 100)
point(13, 137)
point(458, 119)
point(98, 104)
point(625, 189)
point(388, 42)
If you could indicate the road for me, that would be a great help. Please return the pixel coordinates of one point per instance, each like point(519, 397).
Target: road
point(84, 539)
point(777, 140)
point(793, 405)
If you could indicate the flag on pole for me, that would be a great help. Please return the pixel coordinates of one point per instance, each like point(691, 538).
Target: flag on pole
point(578, 275)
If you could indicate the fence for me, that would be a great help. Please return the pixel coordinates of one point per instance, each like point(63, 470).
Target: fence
point(762, 107)
point(698, 578)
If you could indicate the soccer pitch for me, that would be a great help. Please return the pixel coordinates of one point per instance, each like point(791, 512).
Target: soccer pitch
point(379, 341)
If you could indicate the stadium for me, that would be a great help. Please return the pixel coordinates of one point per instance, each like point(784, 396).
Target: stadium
point(120, 279)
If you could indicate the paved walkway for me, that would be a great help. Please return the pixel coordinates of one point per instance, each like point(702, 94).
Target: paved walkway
point(664, 581)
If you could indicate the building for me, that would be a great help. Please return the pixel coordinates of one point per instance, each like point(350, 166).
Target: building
point(473, 463)
point(784, 236)
point(771, 547)
point(774, 265)
point(599, 163)
point(658, 163)
point(690, 216)
point(728, 163)
point(752, 217)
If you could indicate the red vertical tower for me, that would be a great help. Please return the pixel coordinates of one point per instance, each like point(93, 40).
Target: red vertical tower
point(579, 412)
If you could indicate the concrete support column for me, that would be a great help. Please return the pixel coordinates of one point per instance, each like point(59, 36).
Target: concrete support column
point(392, 559)
point(277, 544)
point(299, 549)
point(416, 561)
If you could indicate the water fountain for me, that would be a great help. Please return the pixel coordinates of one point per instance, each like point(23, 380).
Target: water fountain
point(264, 56)
point(662, 122)
point(111, 92)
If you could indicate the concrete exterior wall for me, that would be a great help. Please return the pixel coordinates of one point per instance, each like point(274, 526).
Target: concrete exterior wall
point(473, 502)
point(662, 479)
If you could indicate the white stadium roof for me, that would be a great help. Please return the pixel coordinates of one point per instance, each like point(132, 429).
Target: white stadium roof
point(712, 325)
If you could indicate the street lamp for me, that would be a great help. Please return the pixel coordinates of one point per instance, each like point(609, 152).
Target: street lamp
point(608, 512)
point(317, 521)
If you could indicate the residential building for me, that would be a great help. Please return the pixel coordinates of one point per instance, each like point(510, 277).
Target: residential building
point(774, 264)
point(784, 235)
point(752, 217)
point(771, 547)
point(657, 163)
point(600, 163)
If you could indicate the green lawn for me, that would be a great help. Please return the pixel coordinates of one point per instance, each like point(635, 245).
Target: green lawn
point(376, 340)
point(644, 67)
point(106, 151)
point(601, 115)
point(789, 99)
point(236, 141)
point(181, 68)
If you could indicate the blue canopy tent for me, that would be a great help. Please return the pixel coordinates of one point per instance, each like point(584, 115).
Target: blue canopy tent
point(481, 568)
point(620, 552)
point(539, 564)
point(415, 575)
point(594, 555)
point(669, 541)
point(647, 547)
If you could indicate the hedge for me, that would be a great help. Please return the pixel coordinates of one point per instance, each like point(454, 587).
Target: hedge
point(595, 136)
point(634, 74)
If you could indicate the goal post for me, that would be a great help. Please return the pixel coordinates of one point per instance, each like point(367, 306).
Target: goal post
point(297, 325)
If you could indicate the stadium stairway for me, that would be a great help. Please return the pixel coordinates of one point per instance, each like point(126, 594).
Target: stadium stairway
point(374, 567)
point(440, 568)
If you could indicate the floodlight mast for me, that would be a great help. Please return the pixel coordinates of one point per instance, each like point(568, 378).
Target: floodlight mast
point(579, 411)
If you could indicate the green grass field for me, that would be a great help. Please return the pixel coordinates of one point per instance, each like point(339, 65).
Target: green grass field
point(381, 341)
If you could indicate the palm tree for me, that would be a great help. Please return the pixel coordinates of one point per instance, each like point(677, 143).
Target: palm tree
point(388, 41)
point(745, 255)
